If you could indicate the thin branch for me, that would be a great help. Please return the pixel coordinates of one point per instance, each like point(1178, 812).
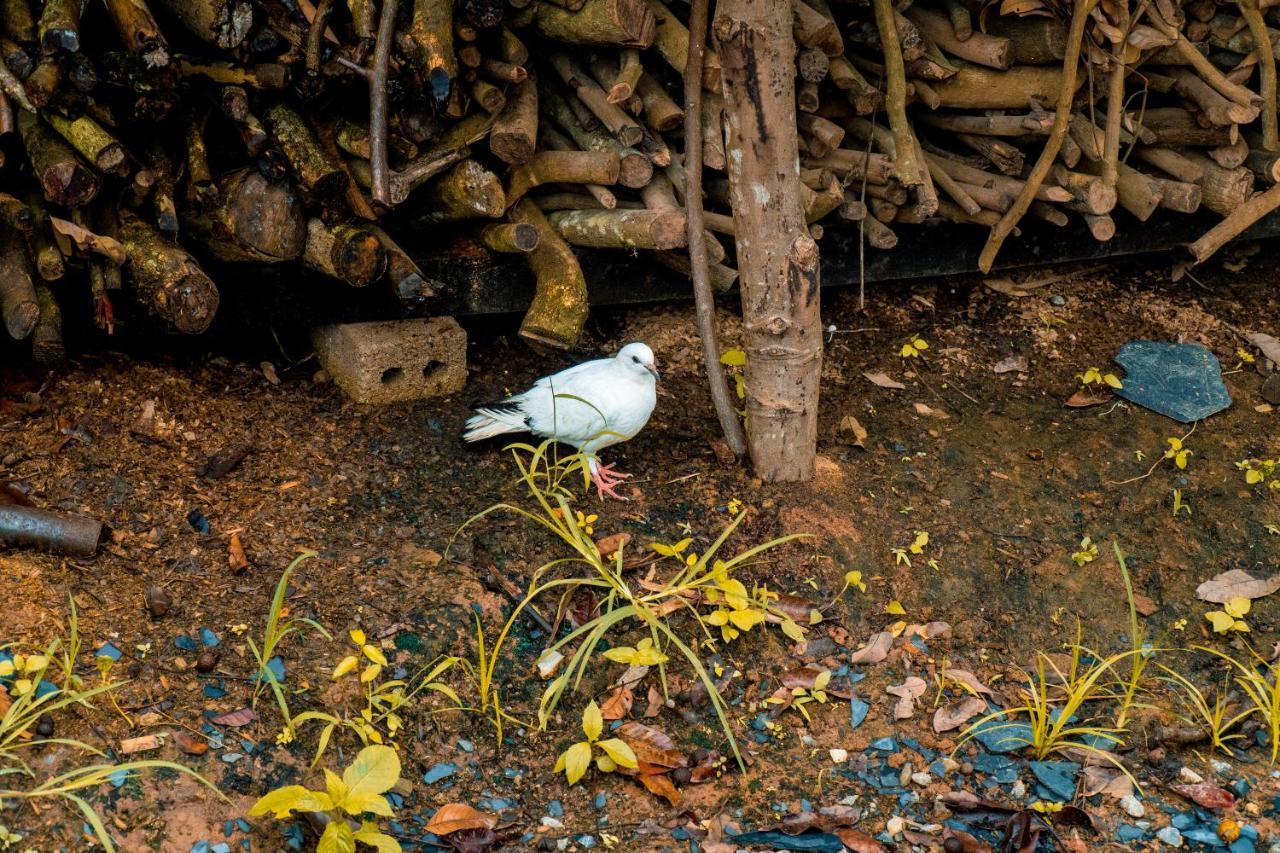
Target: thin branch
point(694, 224)
point(378, 105)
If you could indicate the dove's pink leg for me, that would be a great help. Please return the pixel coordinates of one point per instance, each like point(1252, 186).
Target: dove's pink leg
point(606, 478)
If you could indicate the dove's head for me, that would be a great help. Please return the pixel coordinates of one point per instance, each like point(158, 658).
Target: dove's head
point(638, 357)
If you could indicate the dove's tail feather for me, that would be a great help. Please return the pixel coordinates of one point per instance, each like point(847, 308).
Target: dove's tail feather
point(495, 419)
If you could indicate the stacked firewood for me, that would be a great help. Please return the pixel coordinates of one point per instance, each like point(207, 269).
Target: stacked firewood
point(147, 141)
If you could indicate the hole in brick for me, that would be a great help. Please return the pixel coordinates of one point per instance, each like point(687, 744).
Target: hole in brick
point(432, 368)
point(392, 374)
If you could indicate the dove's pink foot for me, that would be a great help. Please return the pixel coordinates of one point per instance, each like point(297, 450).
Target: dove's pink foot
point(606, 478)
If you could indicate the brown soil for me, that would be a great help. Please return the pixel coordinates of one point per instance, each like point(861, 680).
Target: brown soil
point(1005, 480)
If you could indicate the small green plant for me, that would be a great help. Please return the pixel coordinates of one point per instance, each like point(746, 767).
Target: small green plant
point(914, 346)
point(1213, 718)
point(736, 359)
point(1178, 505)
point(1057, 712)
point(1087, 554)
point(702, 586)
point(359, 792)
point(614, 752)
point(1231, 616)
point(379, 721)
point(1258, 471)
point(30, 688)
point(801, 696)
point(1177, 452)
point(277, 628)
point(1256, 676)
point(1140, 654)
point(1093, 377)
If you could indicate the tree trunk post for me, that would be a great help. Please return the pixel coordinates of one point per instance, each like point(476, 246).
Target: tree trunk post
point(777, 258)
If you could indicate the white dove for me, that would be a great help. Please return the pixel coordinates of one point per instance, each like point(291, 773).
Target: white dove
point(589, 406)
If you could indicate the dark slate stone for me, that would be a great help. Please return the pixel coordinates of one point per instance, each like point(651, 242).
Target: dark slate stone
point(1180, 381)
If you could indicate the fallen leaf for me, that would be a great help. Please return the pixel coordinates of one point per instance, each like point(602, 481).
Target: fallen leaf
point(221, 463)
point(859, 842)
point(881, 379)
point(796, 608)
point(1206, 796)
point(189, 743)
point(1004, 284)
point(1269, 345)
point(922, 409)
point(907, 692)
point(710, 765)
point(651, 745)
point(144, 743)
point(235, 555)
point(661, 784)
point(851, 432)
point(968, 844)
point(609, 545)
point(957, 713)
point(1085, 399)
point(802, 678)
point(876, 649)
point(235, 719)
point(453, 817)
point(617, 705)
point(1105, 780)
point(86, 240)
point(1145, 605)
point(1070, 815)
point(655, 702)
point(1236, 583)
point(968, 679)
point(1012, 364)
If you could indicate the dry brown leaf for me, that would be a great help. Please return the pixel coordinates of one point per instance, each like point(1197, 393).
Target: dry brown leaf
point(1105, 780)
point(144, 743)
point(880, 378)
point(609, 545)
point(661, 784)
point(1011, 364)
point(1085, 399)
point(454, 817)
point(859, 842)
point(1236, 583)
point(235, 719)
point(907, 692)
point(617, 705)
point(876, 649)
point(803, 677)
point(851, 432)
point(189, 743)
point(957, 713)
point(85, 240)
point(651, 745)
point(235, 555)
point(1269, 345)
point(968, 679)
point(1144, 604)
point(922, 409)
point(1207, 796)
point(655, 702)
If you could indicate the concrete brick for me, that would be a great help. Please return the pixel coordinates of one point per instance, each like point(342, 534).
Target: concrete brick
point(393, 361)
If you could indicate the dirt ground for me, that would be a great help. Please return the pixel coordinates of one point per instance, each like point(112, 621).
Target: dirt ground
point(1005, 480)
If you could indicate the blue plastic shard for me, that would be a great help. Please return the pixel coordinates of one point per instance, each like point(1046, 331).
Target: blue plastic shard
point(276, 667)
point(858, 711)
point(439, 771)
point(1058, 777)
point(1003, 770)
point(884, 744)
point(1001, 736)
point(208, 639)
point(108, 650)
point(1180, 381)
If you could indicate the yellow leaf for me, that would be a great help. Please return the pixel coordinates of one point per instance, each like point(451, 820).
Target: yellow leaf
point(735, 592)
point(592, 721)
point(619, 751)
point(375, 769)
point(895, 608)
point(648, 657)
point(746, 619)
point(733, 358)
point(605, 764)
point(374, 654)
point(1253, 476)
point(718, 617)
point(283, 801)
point(1238, 607)
point(6, 668)
point(337, 838)
point(852, 579)
point(370, 672)
point(345, 666)
point(1111, 380)
point(367, 801)
point(357, 636)
point(369, 834)
point(792, 630)
point(1221, 622)
point(36, 663)
point(621, 654)
point(822, 680)
point(898, 627)
point(921, 540)
point(574, 761)
point(815, 617)
point(334, 787)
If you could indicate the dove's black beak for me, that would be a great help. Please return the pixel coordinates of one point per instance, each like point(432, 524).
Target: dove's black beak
point(654, 370)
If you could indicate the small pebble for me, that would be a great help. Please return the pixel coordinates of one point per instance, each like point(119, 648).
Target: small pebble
point(681, 775)
point(1170, 836)
point(552, 823)
point(1222, 768)
point(922, 779)
point(1057, 301)
point(839, 756)
point(1191, 777)
point(44, 727)
point(206, 662)
point(953, 845)
point(1019, 790)
point(1156, 756)
point(1133, 806)
point(895, 825)
point(966, 768)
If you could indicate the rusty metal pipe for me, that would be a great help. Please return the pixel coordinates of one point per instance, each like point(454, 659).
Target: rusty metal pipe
point(57, 532)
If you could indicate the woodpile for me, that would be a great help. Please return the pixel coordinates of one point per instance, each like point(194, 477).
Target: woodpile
point(150, 144)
